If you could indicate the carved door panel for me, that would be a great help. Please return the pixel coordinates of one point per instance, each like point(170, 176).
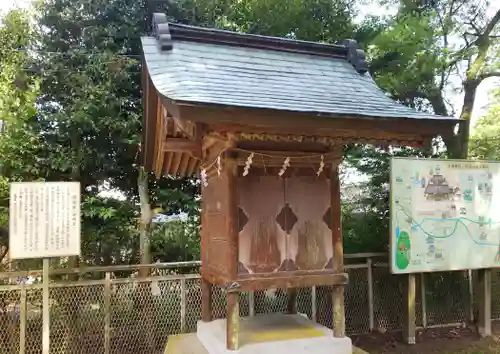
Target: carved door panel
point(262, 243)
point(284, 224)
point(309, 240)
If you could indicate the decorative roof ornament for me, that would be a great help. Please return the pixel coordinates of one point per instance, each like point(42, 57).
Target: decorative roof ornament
point(356, 56)
point(162, 32)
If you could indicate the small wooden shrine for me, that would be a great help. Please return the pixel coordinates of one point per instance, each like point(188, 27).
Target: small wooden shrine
point(263, 122)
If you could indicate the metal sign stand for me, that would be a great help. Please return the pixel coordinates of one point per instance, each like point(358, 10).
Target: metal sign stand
point(46, 309)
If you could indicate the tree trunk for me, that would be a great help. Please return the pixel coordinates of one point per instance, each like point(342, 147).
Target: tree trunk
point(4, 244)
point(461, 148)
point(145, 221)
point(438, 105)
point(145, 300)
point(474, 76)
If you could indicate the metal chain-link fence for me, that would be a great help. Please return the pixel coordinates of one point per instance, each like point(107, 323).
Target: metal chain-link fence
point(132, 316)
point(495, 286)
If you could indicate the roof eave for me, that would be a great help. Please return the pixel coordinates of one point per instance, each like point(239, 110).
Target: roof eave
point(333, 115)
point(365, 128)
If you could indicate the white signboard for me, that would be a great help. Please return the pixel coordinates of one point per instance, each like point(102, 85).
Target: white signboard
point(44, 219)
point(445, 215)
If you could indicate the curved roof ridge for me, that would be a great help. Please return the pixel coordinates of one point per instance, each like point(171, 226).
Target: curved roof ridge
point(166, 32)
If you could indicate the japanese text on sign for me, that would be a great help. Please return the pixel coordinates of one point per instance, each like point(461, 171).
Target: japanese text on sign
point(44, 219)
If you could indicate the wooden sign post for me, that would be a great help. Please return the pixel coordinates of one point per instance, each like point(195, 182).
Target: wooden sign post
point(44, 222)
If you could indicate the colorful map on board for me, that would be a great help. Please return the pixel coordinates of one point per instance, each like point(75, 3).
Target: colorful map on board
point(445, 215)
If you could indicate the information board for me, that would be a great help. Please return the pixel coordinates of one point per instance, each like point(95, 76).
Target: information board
point(445, 215)
point(44, 219)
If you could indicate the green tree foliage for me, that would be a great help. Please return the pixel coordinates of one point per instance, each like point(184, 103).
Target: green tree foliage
point(90, 109)
point(18, 94)
point(84, 75)
point(315, 20)
point(414, 57)
point(427, 44)
point(407, 60)
point(72, 109)
point(176, 240)
point(366, 219)
point(485, 139)
point(19, 143)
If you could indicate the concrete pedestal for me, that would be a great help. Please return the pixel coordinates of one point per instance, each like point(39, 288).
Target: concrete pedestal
point(273, 333)
point(189, 344)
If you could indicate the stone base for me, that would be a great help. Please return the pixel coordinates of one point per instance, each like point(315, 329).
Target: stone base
point(189, 344)
point(273, 333)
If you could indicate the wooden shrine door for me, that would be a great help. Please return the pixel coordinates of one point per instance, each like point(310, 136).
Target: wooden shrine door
point(284, 224)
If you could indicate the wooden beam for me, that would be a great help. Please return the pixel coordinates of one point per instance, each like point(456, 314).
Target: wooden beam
point(145, 106)
point(233, 321)
point(253, 283)
point(180, 145)
point(338, 254)
point(409, 309)
point(174, 170)
point(184, 164)
point(186, 128)
point(159, 141)
point(376, 129)
point(292, 301)
point(150, 109)
point(233, 316)
point(306, 146)
point(192, 147)
point(168, 162)
point(216, 138)
point(217, 147)
point(484, 302)
point(169, 124)
point(206, 301)
point(171, 106)
point(191, 169)
point(231, 175)
point(309, 160)
point(214, 277)
point(297, 171)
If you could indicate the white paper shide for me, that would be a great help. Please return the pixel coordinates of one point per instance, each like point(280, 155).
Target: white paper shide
point(44, 219)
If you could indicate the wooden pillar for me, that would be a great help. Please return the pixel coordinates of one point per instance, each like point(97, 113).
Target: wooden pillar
point(409, 318)
point(233, 308)
point(233, 321)
point(206, 300)
point(231, 171)
point(338, 254)
point(206, 286)
point(292, 301)
point(484, 302)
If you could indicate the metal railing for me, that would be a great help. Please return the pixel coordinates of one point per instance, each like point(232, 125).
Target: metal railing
point(116, 312)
